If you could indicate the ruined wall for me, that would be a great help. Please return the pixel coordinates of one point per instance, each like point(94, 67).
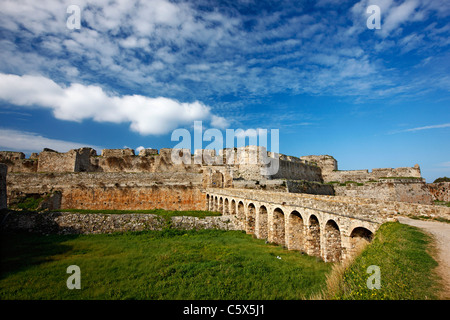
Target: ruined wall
point(16, 162)
point(3, 190)
point(440, 191)
point(79, 223)
point(406, 191)
point(130, 191)
point(112, 160)
point(327, 163)
point(297, 171)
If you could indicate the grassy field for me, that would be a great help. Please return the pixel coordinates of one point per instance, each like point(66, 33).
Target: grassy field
point(406, 267)
point(168, 264)
point(210, 264)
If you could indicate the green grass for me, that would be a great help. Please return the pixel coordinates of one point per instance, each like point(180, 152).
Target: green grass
point(401, 252)
point(169, 264)
point(421, 217)
point(442, 203)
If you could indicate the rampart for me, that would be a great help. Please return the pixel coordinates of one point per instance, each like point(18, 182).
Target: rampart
point(105, 191)
point(330, 172)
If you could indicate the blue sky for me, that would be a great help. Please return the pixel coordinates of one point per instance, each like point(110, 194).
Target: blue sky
point(137, 70)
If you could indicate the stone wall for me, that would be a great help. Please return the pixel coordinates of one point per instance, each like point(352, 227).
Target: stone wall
point(16, 162)
point(330, 172)
point(402, 190)
point(79, 223)
point(3, 191)
point(131, 191)
point(440, 191)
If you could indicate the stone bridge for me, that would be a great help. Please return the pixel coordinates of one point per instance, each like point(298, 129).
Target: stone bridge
point(329, 227)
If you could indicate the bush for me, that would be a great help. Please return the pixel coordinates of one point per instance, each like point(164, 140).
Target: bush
point(444, 179)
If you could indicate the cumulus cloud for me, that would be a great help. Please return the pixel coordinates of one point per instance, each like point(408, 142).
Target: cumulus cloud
point(16, 140)
point(78, 102)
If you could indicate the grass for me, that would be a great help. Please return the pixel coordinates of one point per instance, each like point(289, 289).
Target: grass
point(406, 266)
point(170, 264)
point(442, 203)
point(421, 217)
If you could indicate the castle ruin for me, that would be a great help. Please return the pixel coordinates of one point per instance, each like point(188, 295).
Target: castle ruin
point(307, 204)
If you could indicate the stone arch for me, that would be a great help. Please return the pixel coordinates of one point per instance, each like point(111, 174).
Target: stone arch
point(313, 238)
point(278, 228)
point(295, 232)
point(333, 244)
point(208, 202)
point(261, 224)
point(226, 207)
point(216, 203)
point(220, 205)
point(359, 237)
point(233, 207)
point(241, 210)
point(251, 218)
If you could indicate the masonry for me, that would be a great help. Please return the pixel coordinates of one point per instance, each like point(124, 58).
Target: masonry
point(307, 204)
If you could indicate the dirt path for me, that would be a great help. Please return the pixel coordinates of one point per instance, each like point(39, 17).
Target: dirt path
point(441, 233)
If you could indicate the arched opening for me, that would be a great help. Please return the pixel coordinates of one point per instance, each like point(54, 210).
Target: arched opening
point(233, 207)
point(359, 237)
point(207, 203)
point(296, 232)
point(241, 213)
point(251, 218)
point(278, 227)
point(226, 207)
point(217, 180)
point(333, 247)
point(261, 226)
point(216, 203)
point(313, 236)
point(220, 205)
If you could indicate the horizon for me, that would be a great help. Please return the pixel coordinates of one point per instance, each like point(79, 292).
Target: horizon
point(126, 74)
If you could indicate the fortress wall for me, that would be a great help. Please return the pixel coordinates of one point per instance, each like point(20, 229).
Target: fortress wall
point(146, 162)
point(133, 191)
point(412, 191)
point(348, 175)
point(440, 191)
point(16, 162)
point(3, 172)
point(52, 161)
point(327, 163)
point(297, 171)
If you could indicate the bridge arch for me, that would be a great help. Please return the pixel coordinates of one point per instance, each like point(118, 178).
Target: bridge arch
point(251, 218)
point(359, 237)
point(233, 207)
point(295, 231)
point(226, 207)
point(262, 223)
point(278, 227)
point(313, 236)
point(332, 242)
point(241, 210)
point(220, 205)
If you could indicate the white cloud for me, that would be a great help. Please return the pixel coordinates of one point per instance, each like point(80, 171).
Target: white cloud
point(436, 126)
point(15, 140)
point(78, 102)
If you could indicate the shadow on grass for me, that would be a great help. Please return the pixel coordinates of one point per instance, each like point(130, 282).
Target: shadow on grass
point(20, 251)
